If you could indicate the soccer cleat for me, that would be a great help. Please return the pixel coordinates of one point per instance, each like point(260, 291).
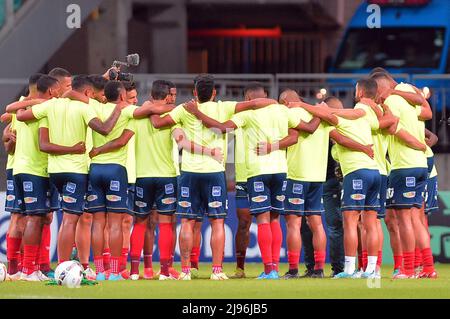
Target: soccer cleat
point(100, 276)
point(115, 277)
point(418, 270)
point(164, 277)
point(318, 274)
point(89, 274)
point(378, 274)
point(367, 275)
point(238, 274)
point(344, 275)
point(396, 272)
point(33, 277)
point(358, 274)
point(307, 274)
point(428, 275)
point(134, 277)
point(50, 274)
point(273, 275)
point(401, 275)
point(335, 272)
point(125, 274)
point(148, 273)
point(289, 275)
point(194, 273)
point(41, 276)
point(174, 273)
point(185, 276)
point(14, 277)
point(107, 273)
point(218, 276)
point(262, 276)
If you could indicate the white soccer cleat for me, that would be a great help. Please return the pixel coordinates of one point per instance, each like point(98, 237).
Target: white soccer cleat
point(134, 277)
point(14, 277)
point(358, 274)
point(89, 274)
point(218, 276)
point(41, 276)
point(184, 276)
point(164, 277)
point(32, 277)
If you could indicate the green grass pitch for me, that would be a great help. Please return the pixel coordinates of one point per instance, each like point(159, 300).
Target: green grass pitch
point(242, 288)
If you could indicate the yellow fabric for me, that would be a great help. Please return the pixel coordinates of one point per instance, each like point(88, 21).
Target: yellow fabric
point(10, 160)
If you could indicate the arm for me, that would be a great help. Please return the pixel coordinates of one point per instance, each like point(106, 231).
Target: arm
point(149, 108)
point(349, 114)
point(212, 124)
point(321, 112)
point(351, 144)
point(9, 140)
point(54, 149)
point(104, 128)
point(410, 140)
point(162, 122)
point(192, 147)
point(426, 114)
point(113, 145)
point(309, 127)
point(430, 138)
point(411, 98)
point(6, 118)
point(264, 148)
point(14, 107)
point(254, 104)
point(25, 115)
point(76, 96)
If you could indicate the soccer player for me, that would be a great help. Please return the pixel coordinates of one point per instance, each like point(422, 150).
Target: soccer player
point(407, 179)
point(202, 185)
point(64, 80)
point(99, 82)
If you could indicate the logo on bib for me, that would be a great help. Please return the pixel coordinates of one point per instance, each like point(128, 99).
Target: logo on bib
point(30, 200)
point(410, 182)
point(281, 198)
point(10, 198)
point(91, 198)
point(284, 186)
point(297, 189)
point(69, 199)
point(71, 187)
point(357, 184)
point(169, 189)
point(139, 192)
point(114, 186)
point(258, 187)
point(140, 204)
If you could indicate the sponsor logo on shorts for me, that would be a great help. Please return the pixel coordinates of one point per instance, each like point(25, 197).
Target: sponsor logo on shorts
point(69, 199)
point(91, 198)
point(281, 198)
point(410, 182)
point(296, 201)
point(215, 204)
point(9, 185)
point(216, 191)
point(168, 201)
point(357, 184)
point(185, 204)
point(30, 200)
point(71, 187)
point(297, 189)
point(140, 204)
point(357, 196)
point(184, 191)
point(409, 194)
point(284, 186)
point(259, 199)
point(139, 192)
point(27, 186)
point(240, 188)
point(114, 186)
point(169, 189)
point(113, 198)
point(10, 198)
point(258, 187)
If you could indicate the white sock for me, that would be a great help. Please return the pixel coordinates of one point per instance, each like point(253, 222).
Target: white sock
point(349, 265)
point(371, 264)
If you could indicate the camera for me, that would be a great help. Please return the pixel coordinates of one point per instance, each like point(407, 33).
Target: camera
point(131, 60)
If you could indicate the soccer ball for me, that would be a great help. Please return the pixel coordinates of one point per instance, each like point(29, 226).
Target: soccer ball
point(3, 272)
point(69, 274)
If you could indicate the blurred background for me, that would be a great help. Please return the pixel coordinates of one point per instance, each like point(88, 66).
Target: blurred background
point(318, 47)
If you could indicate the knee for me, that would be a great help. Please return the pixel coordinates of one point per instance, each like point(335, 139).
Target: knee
point(86, 220)
point(244, 225)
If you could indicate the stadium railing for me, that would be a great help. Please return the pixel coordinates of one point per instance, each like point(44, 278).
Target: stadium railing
point(8, 9)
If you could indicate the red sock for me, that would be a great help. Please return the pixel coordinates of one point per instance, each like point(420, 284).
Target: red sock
point(148, 261)
point(165, 246)
point(195, 257)
point(29, 258)
point(115, 265)
point(171, 260)
point(319, 260)
point(293, 259)
point(98, 263)
point(408, 263)
point(364, 259)
point(398, 261)
point(265, 246)
point(123, 259)
point(240, 259)
point(44, 249)
point(360, 261)
point(13, 254)
point(380, 258)
point(137, 240)
point(107, 258)
point(417, 257)
point(428, 263)
point(277, 240)
point(217, 269)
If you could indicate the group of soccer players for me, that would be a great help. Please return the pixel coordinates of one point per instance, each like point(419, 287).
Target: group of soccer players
point(81, 145)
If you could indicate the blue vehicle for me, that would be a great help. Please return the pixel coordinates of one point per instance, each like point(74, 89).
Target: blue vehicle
point(414, 38)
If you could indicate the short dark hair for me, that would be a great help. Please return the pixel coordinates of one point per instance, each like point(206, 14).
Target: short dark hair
point(34, 78)
point(378, 70)
point(369, 87)
point(253, 86)
point(171, 85)
point(113, 90)
point(129, 85)
point(60, 73)
point(45, 82)
point(330, 99)
point(160, 90)
point(79, 82)
point(204, 85)
point(98, 81)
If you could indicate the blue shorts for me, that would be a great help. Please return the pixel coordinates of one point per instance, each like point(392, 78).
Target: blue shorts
point(406, 188)
point(303, 198)
point(431, 195)
point(383, 196)
point(12, 201)
point(242, 195)
point(159, 191)
point(107, 189)
point(72, 187)
point(361, 191)
point(131, 196)
point(202, 193)
point(430, 164)
point(33, 193)
point(267, 193)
